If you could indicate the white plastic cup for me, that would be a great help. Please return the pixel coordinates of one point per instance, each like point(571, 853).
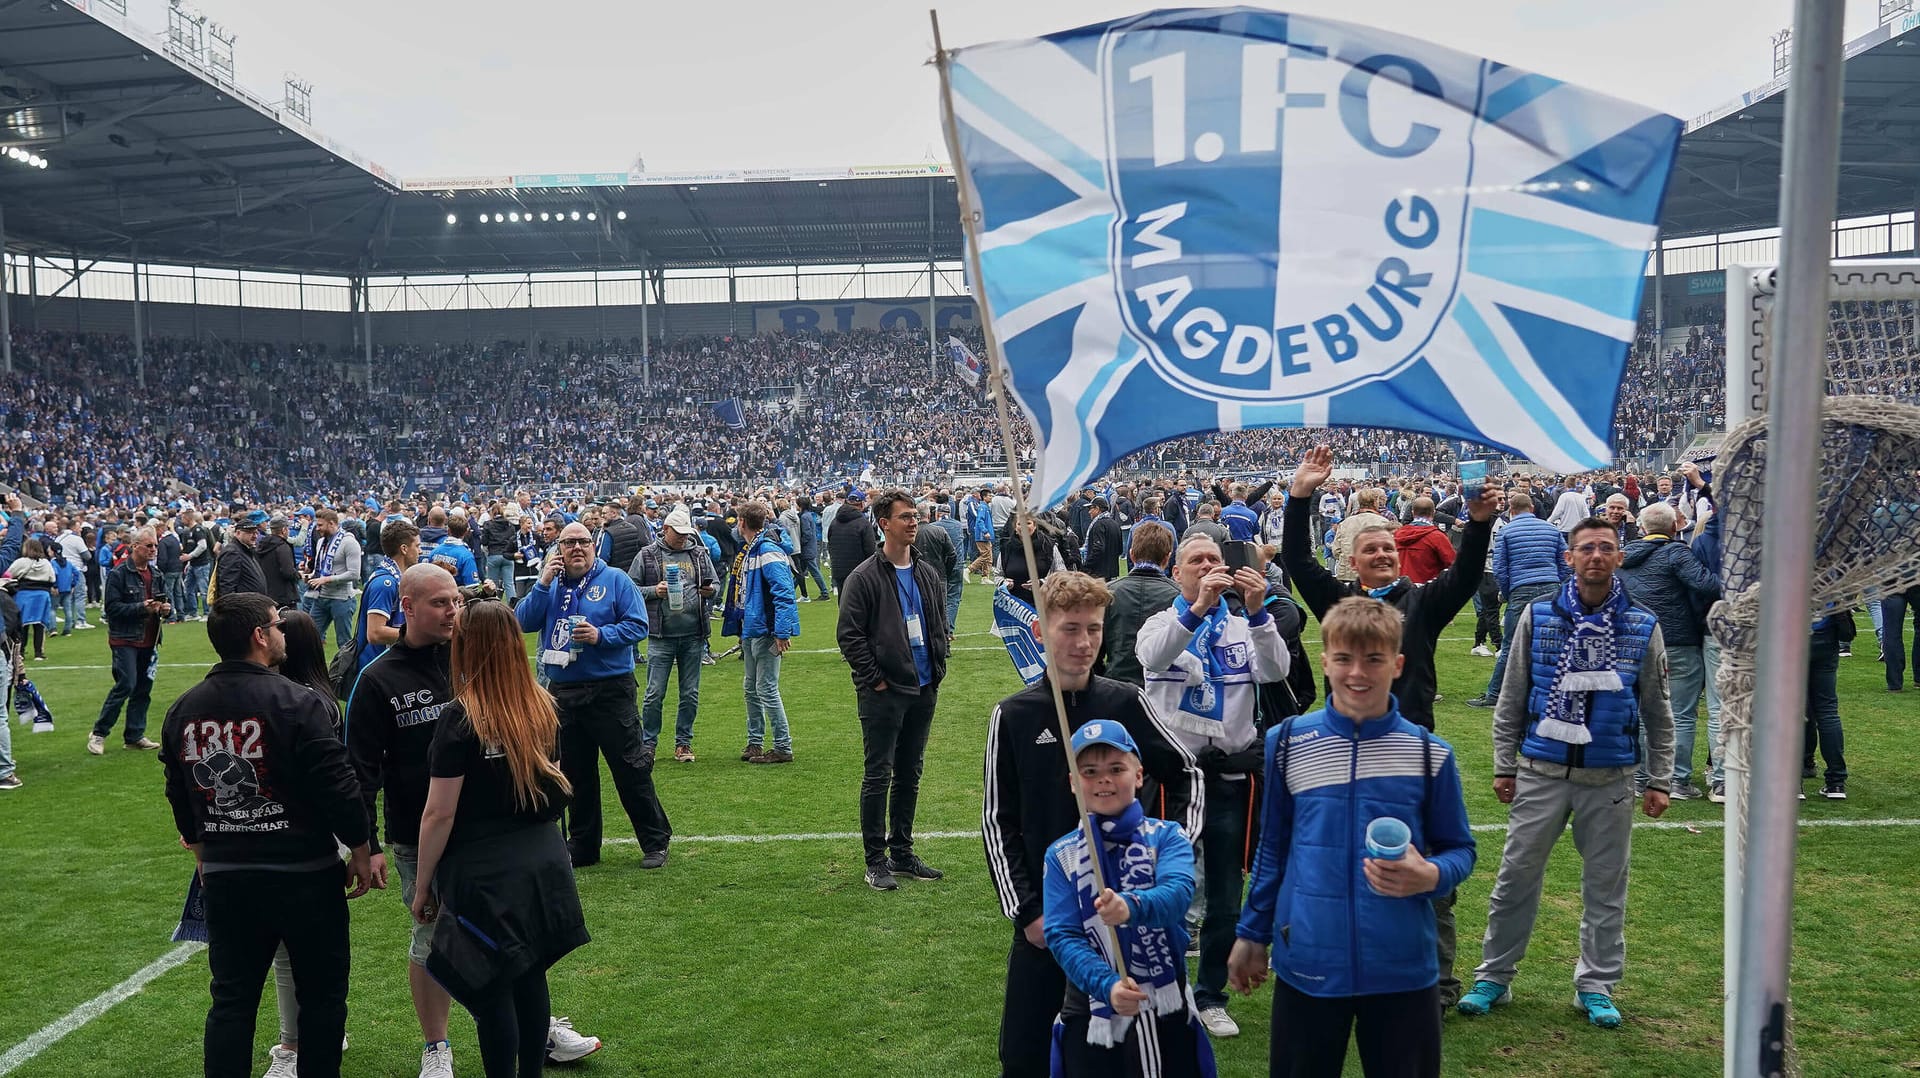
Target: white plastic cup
point(1387, 839)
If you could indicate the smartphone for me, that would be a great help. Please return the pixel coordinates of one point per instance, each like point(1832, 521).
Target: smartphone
point(1240, 554)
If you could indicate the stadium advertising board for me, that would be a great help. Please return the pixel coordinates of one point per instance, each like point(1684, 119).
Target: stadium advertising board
point(949, 316)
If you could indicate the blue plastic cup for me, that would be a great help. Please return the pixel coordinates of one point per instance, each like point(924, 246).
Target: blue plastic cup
point(1387, 839)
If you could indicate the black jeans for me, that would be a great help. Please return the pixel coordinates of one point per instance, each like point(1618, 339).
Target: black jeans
point(1223, 853)
point(510, 1022)
point(893, 729)
point(1893, 640)
point(1823, 706)
point(597, 717)
point(1175, 1054)
point(1486, 612)
point(133, 687)
point(249, 915)
point(1398, 1033)
point(1035, 986)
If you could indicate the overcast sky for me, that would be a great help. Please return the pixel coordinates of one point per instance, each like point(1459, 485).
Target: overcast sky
point(487, 88)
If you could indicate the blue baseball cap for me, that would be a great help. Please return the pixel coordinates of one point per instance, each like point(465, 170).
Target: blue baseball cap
point(252, 520)
point(305, 511)
point(1103, 732)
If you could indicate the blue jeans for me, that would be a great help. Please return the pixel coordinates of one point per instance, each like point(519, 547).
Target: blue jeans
point(1686, 676)
point(1893, 639)
point(663, 654)
point(810, 566)
point(133, 670)
point(198, 577)
point(500, 571)
point(340, 612)
point(762, 683)
point(1716, 749)
point(73, 607)
point(1517, 601)
point(954, 591)
point(174, 585)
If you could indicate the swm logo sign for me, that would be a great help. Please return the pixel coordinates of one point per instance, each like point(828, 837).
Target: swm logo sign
point(1280, 234)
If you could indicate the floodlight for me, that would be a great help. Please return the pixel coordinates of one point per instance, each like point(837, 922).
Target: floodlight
point(575, 215)
point(544, 215)
point(513, 216)
point(451, 219)
point(622, 215)
point(590, 215)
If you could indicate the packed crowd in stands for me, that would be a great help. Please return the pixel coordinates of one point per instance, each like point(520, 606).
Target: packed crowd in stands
point(259, 421)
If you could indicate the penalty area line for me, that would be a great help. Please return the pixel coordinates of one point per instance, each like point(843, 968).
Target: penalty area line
point(51, 1034)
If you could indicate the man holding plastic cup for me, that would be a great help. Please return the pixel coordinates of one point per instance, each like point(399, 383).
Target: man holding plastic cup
point(1588, 668)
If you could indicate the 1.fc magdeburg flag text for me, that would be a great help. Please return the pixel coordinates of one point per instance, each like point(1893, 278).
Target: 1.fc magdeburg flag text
point(1222, 219)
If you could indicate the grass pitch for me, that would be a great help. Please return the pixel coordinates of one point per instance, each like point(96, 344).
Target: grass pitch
point(773, 957)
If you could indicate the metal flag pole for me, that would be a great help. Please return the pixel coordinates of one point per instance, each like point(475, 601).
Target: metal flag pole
point(1023, 516)
point(1809, 182)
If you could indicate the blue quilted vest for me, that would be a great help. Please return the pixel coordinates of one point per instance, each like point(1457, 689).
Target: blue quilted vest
point(1613, 718)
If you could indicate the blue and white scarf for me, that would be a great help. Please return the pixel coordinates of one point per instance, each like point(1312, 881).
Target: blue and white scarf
point(1127, 864)
point(1589, 663)
point(326, 556)
point(1203, 699)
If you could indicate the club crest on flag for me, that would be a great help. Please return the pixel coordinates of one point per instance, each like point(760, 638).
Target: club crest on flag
point(1221, 219)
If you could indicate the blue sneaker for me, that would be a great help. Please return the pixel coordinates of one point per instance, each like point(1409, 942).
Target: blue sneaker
point(1483, 997)
point(1599, 1009)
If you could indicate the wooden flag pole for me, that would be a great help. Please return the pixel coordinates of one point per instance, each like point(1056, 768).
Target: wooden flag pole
point(1023, 515)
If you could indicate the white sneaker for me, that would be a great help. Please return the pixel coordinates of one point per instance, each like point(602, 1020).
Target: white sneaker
point(564, 1045)
point(437, 1061)
point(96, 744)
point(1219, 1023)
point(284, 1064)
point(1482, 650)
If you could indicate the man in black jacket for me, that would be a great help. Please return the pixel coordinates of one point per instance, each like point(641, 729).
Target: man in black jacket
point(1103, 541)
point(1662, 574)
point(893, 633)
point(1139, 595)
point(237, 568)
point(391, 715)
point(277, 568)
point(1029, 803)
point(135, 602)
point(850, 539)
point(261, 790)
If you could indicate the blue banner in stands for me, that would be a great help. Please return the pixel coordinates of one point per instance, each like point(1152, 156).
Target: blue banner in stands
point(1224, 219)
point(732, 413)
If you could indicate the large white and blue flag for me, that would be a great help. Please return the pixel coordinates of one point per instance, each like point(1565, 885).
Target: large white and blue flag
point(1221, 219)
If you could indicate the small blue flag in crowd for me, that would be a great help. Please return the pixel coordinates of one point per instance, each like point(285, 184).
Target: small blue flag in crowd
point(965, 363)
point(1016, 623)
point(732, 413)
point(1222, 219)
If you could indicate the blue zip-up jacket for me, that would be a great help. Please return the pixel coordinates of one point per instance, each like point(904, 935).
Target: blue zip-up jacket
point(1162, 904)
point(1331, 935)
point(1242, 523)
point(610, 602)
point(1529, 551)
point(766, 587)
point(457, 557)
point(809, 534)
point(979, 520)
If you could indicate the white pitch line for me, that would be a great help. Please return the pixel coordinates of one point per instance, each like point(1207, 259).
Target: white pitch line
point(94, 1008)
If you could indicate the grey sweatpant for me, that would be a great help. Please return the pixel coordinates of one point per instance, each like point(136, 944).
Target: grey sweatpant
point(1602, 816)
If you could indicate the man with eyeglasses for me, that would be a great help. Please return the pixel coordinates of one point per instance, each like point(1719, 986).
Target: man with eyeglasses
point(1589, 673)
point(589, 616)
point(261, 790)
point(1664, 576)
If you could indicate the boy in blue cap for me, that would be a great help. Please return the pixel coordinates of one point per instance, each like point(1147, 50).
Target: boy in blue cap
point(1351, 927)
point(1142, 1024)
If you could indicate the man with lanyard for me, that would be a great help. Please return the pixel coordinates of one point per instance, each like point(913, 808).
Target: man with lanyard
point(893, 633)
point(590, 616)
point(1203, 665)
point(334, 571)
point(377, 626)
point(135, 605)
point(677, 626)
point(1427, 609)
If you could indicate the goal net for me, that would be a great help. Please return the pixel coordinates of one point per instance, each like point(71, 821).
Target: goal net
point(1867, 516)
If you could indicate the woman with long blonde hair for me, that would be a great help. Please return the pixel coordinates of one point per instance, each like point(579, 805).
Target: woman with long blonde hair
point(491, 858)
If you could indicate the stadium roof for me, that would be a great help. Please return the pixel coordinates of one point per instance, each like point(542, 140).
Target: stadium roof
point(151, 143)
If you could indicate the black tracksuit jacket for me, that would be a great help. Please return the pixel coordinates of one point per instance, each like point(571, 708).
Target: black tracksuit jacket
point(1028, 802)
